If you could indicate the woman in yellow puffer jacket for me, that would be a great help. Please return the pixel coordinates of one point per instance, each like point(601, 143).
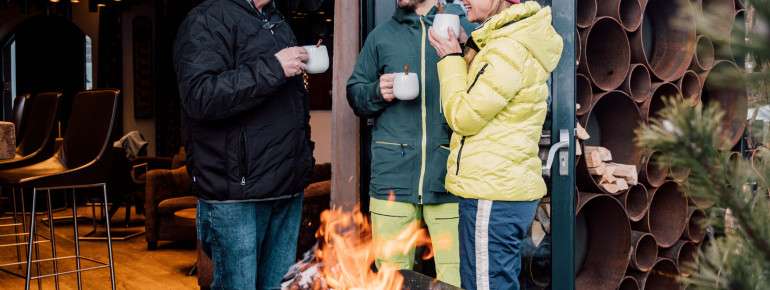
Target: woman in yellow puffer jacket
point(495, 101)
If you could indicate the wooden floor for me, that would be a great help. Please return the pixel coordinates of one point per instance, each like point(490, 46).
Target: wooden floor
point(135, 266)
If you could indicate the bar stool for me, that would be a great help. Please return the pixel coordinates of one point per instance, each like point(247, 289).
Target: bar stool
point(37, 143)
point(80, 162)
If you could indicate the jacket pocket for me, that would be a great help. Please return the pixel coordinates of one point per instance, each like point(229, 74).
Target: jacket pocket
point(393, 167)
point(243, 156)
point(481, 72)
point(437, 174)
point(459, 154)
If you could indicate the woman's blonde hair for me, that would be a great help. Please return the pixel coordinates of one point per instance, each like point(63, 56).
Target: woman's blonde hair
point(469, 53)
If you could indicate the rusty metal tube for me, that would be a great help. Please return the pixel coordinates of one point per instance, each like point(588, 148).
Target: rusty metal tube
point(738, 35)
point(583, 94)
point(536, 264)
point(627, 12)
point(695, 202)
point(704, 54)
point(586, 12)
point(684, 254)
point(719, 16)
point(725, 86)
point(606, 54)
point(611, 122)
point(634, 201)
point(735, 159)
point(609, 246)
point(628, 283)
point(653, 170)
point(696, 226)
point(678, 174)
point(690, 87)
point(644, 251)
point(667, 215)
point(666, 45)
point(578, 47)
point(637, 83)
point(655, 103)
point(662, 276)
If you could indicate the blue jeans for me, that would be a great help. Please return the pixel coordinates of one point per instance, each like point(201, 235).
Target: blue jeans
point(491, 235)
point(250, 243)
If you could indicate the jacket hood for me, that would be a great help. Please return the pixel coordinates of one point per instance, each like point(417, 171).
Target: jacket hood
point(404, 16)
point(528, 24)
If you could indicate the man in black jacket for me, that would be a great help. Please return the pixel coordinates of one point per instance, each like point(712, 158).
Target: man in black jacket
point(247, 136)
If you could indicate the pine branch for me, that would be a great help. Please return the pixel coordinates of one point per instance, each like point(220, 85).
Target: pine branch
point(691, 137)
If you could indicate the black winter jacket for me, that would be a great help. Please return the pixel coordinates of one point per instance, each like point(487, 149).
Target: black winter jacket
point(246, 126)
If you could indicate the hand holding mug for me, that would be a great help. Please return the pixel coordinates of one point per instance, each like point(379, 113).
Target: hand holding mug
point(318, 58)
point(292, 60)
point(442, 45)
point(386, 86)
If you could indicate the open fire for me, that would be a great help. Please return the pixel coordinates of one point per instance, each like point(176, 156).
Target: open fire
point(344, 255)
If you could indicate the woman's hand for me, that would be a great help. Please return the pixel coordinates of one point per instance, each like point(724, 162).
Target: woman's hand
point(444, 46)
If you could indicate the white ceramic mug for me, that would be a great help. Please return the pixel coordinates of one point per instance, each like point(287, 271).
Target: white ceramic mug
point(444, 21)
point(406, 87)
point(318, 59)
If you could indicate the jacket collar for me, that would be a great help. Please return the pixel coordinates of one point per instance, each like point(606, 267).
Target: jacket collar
point(516, 12)
point(410, 17)
point(268, 10)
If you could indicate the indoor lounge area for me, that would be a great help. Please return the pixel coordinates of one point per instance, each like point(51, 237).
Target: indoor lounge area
point(95, 193)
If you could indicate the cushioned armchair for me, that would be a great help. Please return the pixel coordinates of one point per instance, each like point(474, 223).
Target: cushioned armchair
point(167, 191)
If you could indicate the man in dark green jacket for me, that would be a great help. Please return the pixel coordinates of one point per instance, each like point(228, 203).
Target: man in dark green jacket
point(410, 138)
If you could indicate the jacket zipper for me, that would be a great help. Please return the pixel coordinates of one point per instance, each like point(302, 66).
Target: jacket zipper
point(483, 68)
point(394, 144)
point(424, 112)
point(462, 141)
point(243, 156)
point(459, 153)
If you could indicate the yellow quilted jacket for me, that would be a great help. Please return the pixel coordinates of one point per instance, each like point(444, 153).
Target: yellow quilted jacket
point(497, 105)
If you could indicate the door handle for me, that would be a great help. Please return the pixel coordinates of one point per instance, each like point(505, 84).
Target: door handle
point(559, 147)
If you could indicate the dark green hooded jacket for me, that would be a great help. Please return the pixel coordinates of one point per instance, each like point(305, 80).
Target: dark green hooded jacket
point(410, 138)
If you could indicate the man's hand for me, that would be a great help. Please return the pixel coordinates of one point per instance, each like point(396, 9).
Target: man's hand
point(386, 86)
point(292, 60)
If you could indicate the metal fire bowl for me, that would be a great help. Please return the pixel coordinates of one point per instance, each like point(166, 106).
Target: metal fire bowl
point(417, 281)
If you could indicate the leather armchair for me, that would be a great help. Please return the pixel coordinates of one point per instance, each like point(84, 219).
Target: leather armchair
point(167, 191)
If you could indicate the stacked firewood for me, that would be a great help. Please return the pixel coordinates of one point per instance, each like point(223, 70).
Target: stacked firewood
point(613, 177)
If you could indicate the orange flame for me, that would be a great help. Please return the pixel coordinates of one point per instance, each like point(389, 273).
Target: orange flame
point(346, 251)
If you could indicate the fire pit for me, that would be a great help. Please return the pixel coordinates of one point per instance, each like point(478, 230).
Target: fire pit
point(344, 255)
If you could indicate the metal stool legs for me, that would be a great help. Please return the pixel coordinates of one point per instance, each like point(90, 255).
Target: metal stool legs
point(77, 256)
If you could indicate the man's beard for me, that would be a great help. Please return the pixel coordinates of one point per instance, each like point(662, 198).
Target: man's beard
point(409, 5)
